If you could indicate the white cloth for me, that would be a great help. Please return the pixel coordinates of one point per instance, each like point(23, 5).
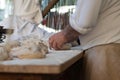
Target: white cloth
point(24, 21)
point(25, 28)
point(98, 21)
point(28, 10)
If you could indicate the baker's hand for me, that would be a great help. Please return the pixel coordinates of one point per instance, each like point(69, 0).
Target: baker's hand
point(57, 40)
point(65, 36)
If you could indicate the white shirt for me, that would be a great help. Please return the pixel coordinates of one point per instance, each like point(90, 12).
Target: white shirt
point(98, 21)
point(28, 10)
point(24, 21)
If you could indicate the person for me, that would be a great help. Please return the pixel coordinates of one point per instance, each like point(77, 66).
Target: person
point(26, 20)
point(26, 16)
point(96, 23)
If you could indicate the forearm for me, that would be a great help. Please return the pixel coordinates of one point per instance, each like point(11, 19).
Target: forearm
point(70, 34)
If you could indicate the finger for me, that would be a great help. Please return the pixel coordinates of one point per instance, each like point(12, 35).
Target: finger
point(50, 43)
point(55, 45)
point(59, 46)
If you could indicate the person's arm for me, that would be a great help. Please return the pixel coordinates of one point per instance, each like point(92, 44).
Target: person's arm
point(81, 22)
point(67, 35)
point(70, 34)
point(85, 16)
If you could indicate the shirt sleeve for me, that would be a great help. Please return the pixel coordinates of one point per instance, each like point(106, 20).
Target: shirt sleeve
point(85, 15)
point(28, 10)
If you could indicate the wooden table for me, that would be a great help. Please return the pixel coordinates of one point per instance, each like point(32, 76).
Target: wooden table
point(55, 65)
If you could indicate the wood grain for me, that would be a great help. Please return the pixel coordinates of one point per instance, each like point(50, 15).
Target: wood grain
point(55, 63)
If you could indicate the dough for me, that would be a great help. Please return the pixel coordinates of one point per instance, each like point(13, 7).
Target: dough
point(66, 46)
point(30, 49)
point(74, 43)
point(11, 44)
point(3, 53)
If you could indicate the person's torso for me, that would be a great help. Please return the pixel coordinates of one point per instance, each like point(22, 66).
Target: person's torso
point(28, 10)
point(107, 29)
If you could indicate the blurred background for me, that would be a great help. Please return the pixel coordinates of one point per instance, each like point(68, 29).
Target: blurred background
point(57, 18)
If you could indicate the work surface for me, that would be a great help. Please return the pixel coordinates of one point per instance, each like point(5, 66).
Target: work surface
point(54, 63)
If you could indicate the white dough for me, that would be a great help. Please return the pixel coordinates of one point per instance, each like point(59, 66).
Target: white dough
point(3, 53)
point(30, 48)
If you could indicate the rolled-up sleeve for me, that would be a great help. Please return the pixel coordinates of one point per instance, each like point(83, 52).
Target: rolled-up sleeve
point(85, 15)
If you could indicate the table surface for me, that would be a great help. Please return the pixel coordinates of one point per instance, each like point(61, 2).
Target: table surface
point(54, 63)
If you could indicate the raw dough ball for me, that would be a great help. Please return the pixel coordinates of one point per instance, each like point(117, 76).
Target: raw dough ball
point(68, 46)
point(30, 49)
point(3, 53)
point(14, 43)
point(74, 43)
point(25, 53)
point(11, 44)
